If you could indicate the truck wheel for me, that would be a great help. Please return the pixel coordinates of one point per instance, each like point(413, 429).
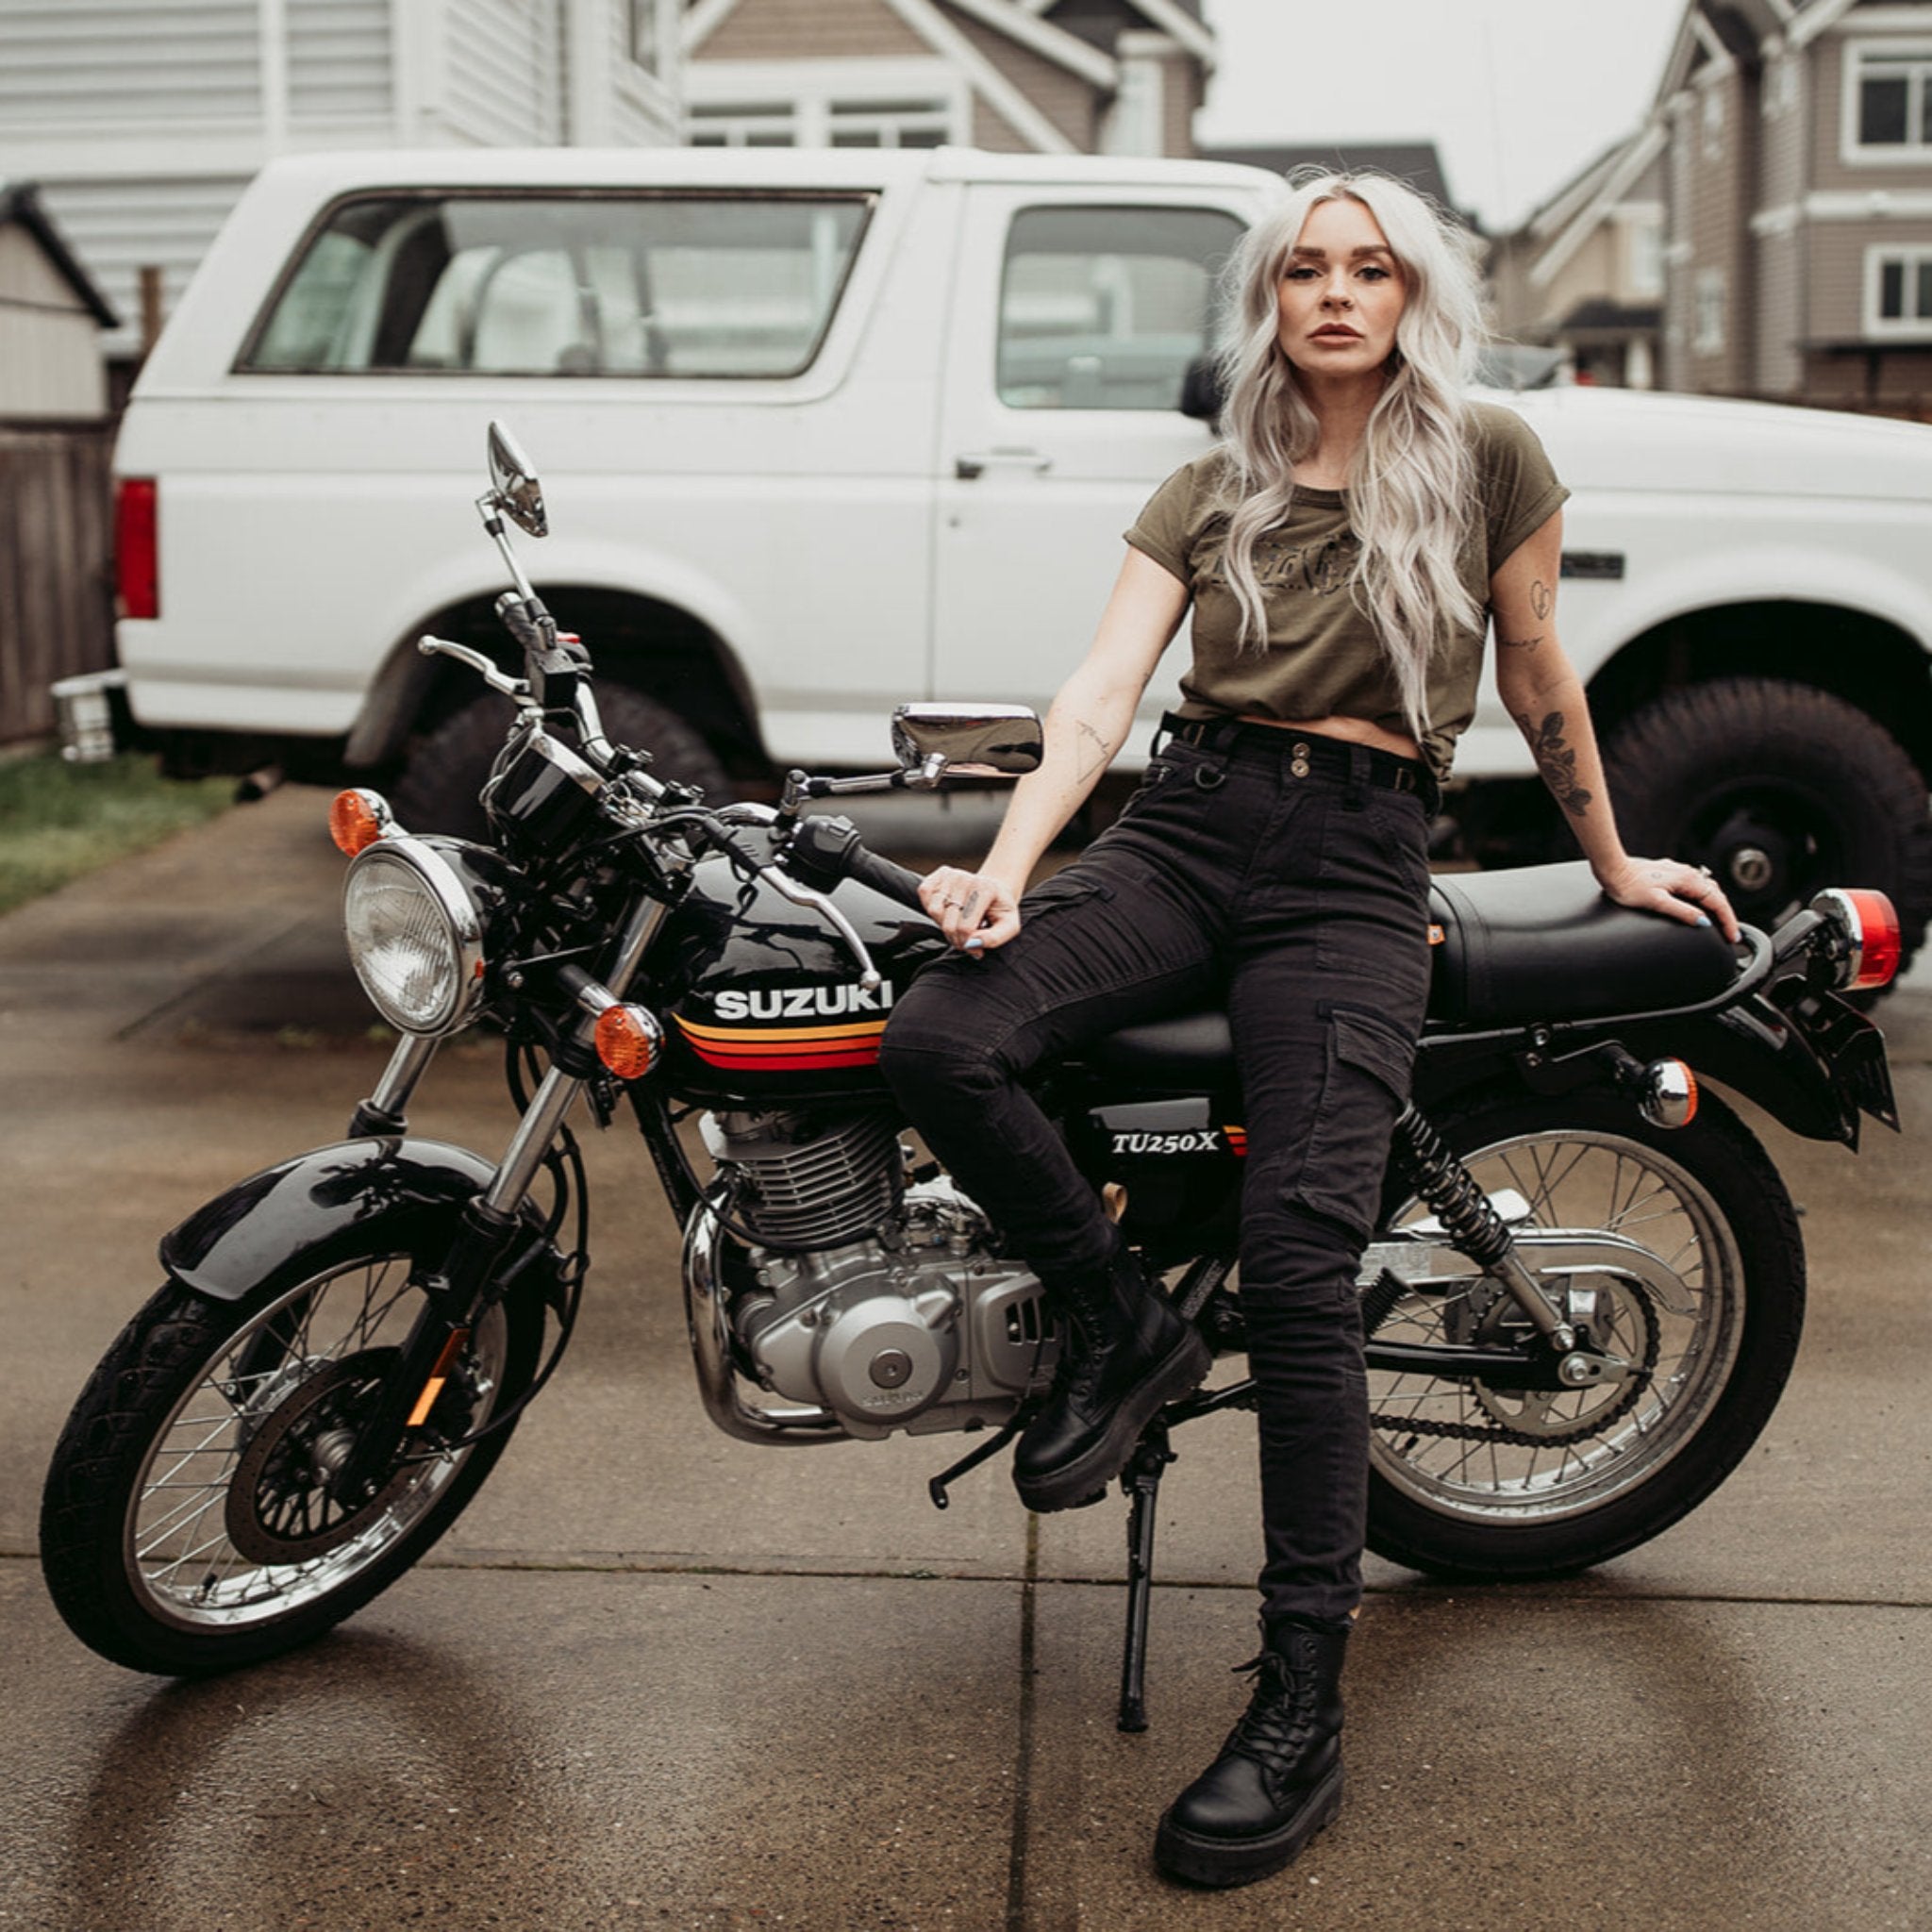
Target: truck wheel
point(438, 789)
point(1781, 789)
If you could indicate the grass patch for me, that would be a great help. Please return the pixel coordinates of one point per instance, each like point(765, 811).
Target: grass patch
point(59, 821)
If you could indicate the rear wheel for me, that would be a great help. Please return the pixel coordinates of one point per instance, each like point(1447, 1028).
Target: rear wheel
point(438, 789)
point(1467, 1479)
point(188, 1524)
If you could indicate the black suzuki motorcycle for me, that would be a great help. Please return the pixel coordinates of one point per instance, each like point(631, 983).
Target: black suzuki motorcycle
point(1581, 1304)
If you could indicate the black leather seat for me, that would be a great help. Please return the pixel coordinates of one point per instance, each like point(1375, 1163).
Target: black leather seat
point(1538, 943)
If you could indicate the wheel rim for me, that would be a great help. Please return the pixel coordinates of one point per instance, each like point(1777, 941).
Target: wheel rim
point(1447, 1444)
point(1769, 844)
point(229, 1524)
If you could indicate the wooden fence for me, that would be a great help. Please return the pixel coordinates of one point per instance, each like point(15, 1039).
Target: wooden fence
point(56, 546)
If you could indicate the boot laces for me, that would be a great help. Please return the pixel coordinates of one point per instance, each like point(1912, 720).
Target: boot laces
point(1279, 1721)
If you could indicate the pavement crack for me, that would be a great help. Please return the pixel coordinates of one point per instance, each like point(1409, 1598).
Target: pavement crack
point(1023, 1758)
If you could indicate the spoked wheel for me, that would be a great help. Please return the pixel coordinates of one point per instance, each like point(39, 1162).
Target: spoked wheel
point(1704, 1306)
point(189, 1523)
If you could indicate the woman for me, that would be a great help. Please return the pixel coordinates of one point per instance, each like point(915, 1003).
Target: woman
point(1343, 549)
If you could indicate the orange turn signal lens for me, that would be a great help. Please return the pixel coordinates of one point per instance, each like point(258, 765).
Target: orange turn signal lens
point(358, 819)
point(627, 1040)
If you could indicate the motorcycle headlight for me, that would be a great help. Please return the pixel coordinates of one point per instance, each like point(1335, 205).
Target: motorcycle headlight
point(417, 925)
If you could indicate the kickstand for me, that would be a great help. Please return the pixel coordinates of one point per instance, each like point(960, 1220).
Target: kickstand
point(1141, 1482)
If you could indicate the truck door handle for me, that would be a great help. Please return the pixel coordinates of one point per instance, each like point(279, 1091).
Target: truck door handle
point(981, 461)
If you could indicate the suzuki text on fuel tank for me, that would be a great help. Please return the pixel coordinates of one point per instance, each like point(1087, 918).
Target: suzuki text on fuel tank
point(1581, 1304)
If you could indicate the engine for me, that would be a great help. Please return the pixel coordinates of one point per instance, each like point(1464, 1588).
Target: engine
point(879, 1304)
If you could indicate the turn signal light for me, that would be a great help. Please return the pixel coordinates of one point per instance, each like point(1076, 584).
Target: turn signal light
point(1869, 922)
point(628, 1040)
point(358, 819)
point(1670, 1095)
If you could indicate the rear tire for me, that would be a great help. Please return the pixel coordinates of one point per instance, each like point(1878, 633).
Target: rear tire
point(438, 789)
point(185, 1527)
point(1598, 1473)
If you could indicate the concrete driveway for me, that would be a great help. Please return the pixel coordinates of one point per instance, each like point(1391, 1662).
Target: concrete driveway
point(659, 1678)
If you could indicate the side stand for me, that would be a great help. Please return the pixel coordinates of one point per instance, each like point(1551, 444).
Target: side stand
point(1141, 1484)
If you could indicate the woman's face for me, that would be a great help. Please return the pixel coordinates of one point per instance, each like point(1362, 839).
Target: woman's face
point(1342, 294)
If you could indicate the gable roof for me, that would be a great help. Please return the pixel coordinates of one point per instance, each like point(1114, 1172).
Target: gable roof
point(1610, 178)
point(1416, 162)
point(20, 201)
point(1180, 20)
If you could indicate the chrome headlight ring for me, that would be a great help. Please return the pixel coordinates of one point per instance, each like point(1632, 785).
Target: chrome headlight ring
point(417, 926)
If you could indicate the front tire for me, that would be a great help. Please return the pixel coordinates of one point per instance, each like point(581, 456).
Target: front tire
point(1471, 1482)
point(186, 1526)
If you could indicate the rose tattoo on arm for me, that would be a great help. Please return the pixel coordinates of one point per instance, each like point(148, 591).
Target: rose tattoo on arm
point(1556, 761)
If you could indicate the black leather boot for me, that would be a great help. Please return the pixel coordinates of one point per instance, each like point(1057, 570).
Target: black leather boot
point(1124, 1353)
point(1279, 1778)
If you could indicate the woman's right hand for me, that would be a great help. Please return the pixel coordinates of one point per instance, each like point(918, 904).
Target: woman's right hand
point(976, 910)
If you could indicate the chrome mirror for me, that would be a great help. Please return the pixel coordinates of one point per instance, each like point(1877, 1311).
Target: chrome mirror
point(513, 484)
point(975, 741)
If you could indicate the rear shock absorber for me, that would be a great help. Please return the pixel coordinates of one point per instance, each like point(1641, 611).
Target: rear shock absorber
point(1473, 1226)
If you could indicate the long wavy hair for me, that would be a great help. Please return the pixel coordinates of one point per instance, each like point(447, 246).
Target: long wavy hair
point(1411, 484)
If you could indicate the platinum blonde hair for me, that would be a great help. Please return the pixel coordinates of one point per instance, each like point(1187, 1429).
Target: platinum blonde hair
point(1412, 483)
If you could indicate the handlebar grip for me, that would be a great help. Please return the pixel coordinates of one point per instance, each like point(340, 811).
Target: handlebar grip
point(826, 850)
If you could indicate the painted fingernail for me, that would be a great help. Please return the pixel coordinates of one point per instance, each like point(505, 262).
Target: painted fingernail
point(1703, 919)
point(974, 943)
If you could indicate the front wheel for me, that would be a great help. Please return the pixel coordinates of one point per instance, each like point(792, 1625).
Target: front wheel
point(1474, 1480)
point(188, 1524)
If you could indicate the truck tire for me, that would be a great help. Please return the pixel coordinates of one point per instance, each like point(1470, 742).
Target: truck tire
point(436, 791)
point(1781, 789)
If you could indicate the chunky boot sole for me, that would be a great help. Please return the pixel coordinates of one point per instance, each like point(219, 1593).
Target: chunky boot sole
point(1225, 1862)
point(1085, 1479)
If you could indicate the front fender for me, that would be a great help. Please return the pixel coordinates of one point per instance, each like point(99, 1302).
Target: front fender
point(289, 1221)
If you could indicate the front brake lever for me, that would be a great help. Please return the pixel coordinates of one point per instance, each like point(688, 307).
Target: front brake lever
point(495, 680)
point(790, 888)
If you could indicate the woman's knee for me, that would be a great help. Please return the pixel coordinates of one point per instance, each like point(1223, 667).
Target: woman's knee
point(937, 1037)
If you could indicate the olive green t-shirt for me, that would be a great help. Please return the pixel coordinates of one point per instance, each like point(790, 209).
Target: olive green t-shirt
point(1323, 656)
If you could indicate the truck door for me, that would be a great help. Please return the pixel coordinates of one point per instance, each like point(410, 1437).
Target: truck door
point(1076, 317)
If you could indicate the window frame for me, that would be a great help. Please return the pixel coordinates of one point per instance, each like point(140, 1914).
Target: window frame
point(1711, 318)
point(1857, 153)
point(424, 195)
point(1914, 256)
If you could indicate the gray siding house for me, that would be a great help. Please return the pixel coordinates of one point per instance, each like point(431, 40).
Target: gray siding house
point(143, 125)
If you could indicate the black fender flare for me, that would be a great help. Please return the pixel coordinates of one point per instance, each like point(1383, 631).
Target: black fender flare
point(289, 1222)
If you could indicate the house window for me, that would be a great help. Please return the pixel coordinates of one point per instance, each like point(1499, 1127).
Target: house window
point(1104, 308)
point(907, 104)
point(1707, 312)
point(1713, 124)
point(888, 123)
point(743, 123)
point(1898, 291)
point(1888, 103)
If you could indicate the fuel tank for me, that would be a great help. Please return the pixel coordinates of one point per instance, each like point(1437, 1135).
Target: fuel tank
point(761, 998)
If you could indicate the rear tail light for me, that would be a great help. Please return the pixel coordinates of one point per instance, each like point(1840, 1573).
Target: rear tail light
point(137, 546)
point(1870, 927)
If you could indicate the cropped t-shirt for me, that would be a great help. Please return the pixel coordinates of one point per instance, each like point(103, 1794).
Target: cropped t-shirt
point(1323, 656)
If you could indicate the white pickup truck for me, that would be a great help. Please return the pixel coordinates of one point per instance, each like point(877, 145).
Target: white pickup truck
point(824, 432)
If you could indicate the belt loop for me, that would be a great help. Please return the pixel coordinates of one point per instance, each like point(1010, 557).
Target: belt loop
point(1357, 777)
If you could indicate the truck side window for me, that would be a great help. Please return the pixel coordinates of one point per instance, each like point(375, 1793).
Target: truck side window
point(584, 285)
point(1104, 308)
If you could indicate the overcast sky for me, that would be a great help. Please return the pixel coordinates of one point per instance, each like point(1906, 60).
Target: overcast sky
point(1517, 93)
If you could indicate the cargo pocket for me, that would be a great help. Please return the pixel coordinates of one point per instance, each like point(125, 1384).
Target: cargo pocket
point(1070, 888)
point(1364, 1086)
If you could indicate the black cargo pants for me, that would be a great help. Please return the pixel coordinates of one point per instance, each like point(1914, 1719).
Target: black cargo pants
point(1288, 874)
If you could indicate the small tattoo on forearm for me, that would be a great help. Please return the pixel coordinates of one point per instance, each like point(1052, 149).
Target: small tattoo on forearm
point(1556, 761)
point(1541, 598)
point(1092, 752)
point(1520, 644)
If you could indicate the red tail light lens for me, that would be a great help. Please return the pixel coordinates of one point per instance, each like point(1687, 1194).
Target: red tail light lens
point(137, 546)
point(1871, 924)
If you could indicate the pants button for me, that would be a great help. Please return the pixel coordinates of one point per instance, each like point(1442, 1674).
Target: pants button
point(1300, 768)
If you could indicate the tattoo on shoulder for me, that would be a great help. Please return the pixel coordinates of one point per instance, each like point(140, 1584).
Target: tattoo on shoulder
point(1556, 761)
point(1092, 752)
point(1520, 644)
point(1541, 598)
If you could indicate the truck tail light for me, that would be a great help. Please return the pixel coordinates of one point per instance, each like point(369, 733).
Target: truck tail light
point(137, 549)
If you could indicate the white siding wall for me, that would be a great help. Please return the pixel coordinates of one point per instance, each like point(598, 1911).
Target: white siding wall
point(640, 116)
point(501, 67)
point(101, 64)
point(338, 63)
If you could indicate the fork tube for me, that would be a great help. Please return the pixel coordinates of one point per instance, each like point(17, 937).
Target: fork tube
point(531, 1141)
point(639, 930)
point(386, 1110)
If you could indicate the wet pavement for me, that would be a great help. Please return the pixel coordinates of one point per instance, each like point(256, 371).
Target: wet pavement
point(657, 1676)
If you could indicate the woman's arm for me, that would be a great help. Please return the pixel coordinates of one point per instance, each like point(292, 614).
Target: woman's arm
point(1540, 688)
point(1088, 725)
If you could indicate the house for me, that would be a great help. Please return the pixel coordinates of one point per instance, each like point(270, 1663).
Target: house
point(1417, 162)
point(51, 318)
point(144, 125)
point(1797, 160)
point(1046, 77)
point(1584, 273)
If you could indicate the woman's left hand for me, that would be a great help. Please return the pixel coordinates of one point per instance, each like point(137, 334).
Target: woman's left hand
point(1670, 887)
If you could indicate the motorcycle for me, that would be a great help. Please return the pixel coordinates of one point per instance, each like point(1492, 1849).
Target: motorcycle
point(1580, 1305)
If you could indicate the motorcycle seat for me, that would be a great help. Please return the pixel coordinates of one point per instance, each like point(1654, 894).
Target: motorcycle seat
point(1540, 943)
